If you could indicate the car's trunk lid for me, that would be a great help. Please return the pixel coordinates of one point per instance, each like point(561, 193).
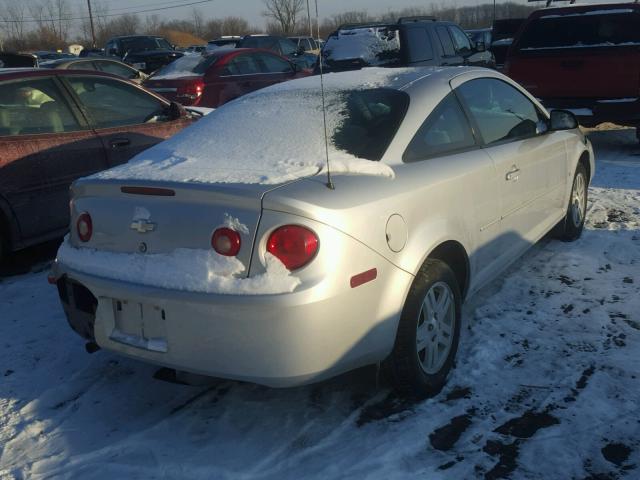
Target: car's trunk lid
point(160, 217)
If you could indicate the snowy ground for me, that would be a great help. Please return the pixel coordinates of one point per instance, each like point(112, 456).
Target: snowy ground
point(546, 385)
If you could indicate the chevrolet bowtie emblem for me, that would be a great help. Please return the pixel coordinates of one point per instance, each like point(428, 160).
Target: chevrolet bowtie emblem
point(143, 226)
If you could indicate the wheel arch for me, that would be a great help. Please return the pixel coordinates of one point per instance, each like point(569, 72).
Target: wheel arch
point(455, 256)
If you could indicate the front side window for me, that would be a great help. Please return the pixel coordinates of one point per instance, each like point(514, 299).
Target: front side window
point(445, 131)
point(445, 40)
point(460, 41)
point(111, 103)
point(501, 112)
point(273, 64)
point(31, 107)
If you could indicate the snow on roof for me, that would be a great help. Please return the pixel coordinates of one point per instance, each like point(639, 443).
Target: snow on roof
point(271, 136)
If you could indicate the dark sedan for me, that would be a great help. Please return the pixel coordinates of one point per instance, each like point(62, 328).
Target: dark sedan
point(59, 125)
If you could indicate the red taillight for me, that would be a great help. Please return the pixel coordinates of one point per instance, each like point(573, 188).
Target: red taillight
point(226, 242)
point(190, 91)
point(293, 245)
point(84, 227)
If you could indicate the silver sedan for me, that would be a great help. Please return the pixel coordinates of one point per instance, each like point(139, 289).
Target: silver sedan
point(295, 234)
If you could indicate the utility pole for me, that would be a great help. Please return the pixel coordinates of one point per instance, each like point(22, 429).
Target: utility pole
point(93, 30)
point(309, 16)
point(494, 11)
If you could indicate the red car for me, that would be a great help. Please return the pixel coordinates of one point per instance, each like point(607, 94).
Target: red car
point(584, 58)
point(59, 125)
point(218, 77)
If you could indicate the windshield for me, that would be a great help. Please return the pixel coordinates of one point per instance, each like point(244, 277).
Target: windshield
point(186, 66)
point(145, 43)
point(588, 29)
point(369, 46)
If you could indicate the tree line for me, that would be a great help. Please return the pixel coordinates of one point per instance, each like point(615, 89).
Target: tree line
point(54, 24)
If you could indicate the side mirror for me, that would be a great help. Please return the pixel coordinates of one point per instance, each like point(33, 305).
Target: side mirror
point(563, 120)
point(176, 111)
point(481, 47)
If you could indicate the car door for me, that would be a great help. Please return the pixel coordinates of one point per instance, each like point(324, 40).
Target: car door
point(447, 48)
point(238, 76)
point(447, 157)
point(45, 144)
point(530, 161)
point(127, 118)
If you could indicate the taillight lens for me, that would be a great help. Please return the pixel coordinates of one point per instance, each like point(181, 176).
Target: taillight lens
point(191, 91)
point(293, 245)
point(226, 242)
point(84, 227)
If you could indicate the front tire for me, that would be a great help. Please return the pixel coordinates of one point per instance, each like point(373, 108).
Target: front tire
point(571, 227)
point(428, 332)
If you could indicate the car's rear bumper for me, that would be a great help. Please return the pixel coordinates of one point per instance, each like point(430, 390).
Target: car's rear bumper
point(276, 340)
point(593, 111)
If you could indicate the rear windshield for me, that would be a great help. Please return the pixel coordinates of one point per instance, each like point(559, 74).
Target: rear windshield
point(144, 43)
point(367, 46)
point(615, 27)
point(370, 120)
point(186, 66)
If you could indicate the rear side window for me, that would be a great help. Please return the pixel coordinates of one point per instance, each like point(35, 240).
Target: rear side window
point(445, 131)
point(580, 30)
point(242, 65)
point(501, 112)
point(371, 119)
point(34, 107)
point(420, 48)
point(445, 41)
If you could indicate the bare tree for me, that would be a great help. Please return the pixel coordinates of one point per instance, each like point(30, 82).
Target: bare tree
point(285, 13)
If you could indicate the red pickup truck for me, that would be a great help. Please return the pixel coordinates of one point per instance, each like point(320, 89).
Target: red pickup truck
point(582, 58)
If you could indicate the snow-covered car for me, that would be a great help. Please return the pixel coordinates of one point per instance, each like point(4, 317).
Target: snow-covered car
point(230, 251)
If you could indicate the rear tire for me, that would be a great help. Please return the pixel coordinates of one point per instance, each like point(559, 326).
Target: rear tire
point(571, 227)
point(428, 332)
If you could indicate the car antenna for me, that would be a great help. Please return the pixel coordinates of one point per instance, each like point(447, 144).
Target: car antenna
point(324, 110)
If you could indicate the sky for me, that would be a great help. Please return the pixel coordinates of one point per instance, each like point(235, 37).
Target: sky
point(252, 9)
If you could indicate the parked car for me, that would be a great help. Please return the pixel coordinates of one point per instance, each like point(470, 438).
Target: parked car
point(503, 33)
point(282, 46)
point(585, 58)
point(412, 41)
point(18, 60)
point(220, 76)
point(306, 44)
point(143, 52)
point(91, 52)
point(195, 49)
point(44, 56)
point(226, 41)
point(228, 251)
point(98, 64)
point(59, 125)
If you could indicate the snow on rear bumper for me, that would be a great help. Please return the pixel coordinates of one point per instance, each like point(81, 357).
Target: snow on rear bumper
point(276, 340)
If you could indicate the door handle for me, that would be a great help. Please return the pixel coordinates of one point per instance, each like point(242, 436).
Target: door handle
point(513, 174)
point(120, 142)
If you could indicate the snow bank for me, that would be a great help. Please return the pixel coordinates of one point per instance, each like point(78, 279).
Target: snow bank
point(193, 270)
point(271, 136)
